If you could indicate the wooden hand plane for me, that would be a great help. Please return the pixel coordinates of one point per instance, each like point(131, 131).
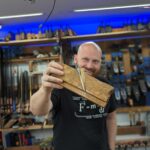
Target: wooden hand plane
point(95, 91)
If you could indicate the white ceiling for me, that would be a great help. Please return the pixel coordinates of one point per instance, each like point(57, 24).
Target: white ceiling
point(63, 10)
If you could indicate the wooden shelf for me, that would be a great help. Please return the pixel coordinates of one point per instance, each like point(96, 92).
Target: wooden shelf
point(98, 36)
point(28, 42)
point(22, 60)
point(133, 109)
point(34, 127)
point(24, 148)
point(130, 140)
point(123, 130)
point(111, 35)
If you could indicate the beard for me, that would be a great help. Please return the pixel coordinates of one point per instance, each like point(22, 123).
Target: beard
point(91, 72)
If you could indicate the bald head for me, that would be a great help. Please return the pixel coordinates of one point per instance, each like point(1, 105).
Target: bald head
point(92, 45)
point(89, 57)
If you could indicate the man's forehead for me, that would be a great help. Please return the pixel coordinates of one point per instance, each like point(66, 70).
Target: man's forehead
point(90, 47)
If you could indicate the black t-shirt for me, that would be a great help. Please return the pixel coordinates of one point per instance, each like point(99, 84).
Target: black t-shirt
point(78, 123)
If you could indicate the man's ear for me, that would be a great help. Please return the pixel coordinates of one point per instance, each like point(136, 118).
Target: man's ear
point(75, 58)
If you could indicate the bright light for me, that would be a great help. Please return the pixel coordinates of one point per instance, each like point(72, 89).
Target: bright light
point(110, 8)
point(20, 16)
point(0, 27)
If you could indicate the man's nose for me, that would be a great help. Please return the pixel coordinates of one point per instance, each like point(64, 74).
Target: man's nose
point(89, 64)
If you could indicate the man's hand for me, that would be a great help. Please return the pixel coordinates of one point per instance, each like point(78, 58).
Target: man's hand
point(40, 101)
point(49, 79)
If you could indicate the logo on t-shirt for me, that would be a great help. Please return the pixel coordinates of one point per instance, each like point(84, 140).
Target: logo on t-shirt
point(87, 109)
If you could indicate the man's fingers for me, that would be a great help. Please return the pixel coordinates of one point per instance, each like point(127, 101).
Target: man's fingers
point(55, 65)
point(51, 85)
point(55, 71)
point(49, 78)
point(54, 68)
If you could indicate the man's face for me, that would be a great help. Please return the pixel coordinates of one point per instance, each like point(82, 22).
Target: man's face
point(89, 58)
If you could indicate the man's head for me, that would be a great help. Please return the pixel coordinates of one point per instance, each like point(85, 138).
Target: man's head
point(89, 57)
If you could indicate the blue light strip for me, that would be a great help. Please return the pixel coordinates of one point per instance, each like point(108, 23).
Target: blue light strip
point(83, 25)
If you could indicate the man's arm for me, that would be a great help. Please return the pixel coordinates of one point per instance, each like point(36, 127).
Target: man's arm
point(111, 129)
point(40, 103)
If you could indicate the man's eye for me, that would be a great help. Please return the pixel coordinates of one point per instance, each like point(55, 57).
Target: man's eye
point(96, 61)
point(85, 60)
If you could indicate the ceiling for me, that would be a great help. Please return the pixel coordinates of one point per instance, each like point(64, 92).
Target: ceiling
point(63, 10)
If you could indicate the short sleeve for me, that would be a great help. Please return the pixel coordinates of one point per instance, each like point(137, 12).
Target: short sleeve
point(56, 99)
point(112, 104)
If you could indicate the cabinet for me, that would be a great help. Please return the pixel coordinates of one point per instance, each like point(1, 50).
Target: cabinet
point(111, 44)
point(126, 57)
point(20, 74)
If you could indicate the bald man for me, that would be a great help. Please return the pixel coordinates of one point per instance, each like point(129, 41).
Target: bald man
point(78, 124)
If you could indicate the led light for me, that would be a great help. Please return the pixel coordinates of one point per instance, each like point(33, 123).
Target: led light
point(20, 16)
point(0, 27)
point(110, 8)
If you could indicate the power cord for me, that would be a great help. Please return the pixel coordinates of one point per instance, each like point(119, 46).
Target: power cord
point(41, 25)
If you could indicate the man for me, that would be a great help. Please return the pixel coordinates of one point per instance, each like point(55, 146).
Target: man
point(78, 123)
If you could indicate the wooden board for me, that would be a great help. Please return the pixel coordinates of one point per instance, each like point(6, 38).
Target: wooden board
point(126, 62)
point(24, 148)
point(123, 130)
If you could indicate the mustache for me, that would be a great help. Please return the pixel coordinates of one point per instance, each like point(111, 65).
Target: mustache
point(89, 70)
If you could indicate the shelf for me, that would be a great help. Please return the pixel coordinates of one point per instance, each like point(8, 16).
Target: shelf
point(111, 35)
point(126, 139)
point(98, 36)
point(34, 127)
point(33, 59)
point(123, 130)
point(27, 42)
point(133, 109)
point(24, 148)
